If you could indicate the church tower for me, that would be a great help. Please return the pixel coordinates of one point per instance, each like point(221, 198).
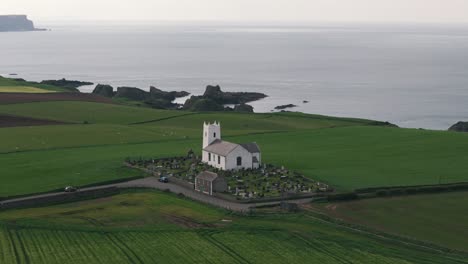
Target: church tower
point(211, 132)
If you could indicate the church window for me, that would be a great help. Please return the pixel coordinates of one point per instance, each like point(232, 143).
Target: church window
point(219, 159)
point(239, 161)
point(214, 134)
point(209, 156)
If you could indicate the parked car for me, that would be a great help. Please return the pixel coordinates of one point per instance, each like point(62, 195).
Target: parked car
point(163, 179)
point(70, 189)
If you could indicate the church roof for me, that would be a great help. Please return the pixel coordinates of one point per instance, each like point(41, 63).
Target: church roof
point(222, 148)
point(207, 175)
point(251, 147)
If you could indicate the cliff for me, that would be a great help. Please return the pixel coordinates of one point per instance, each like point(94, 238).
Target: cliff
point(16, 23)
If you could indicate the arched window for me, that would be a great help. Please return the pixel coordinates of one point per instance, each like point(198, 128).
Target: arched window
point(239, 161)
point(214, 134)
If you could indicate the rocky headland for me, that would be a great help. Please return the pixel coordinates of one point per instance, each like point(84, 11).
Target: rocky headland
point(67, 84)
point(17, 23)
point(459, 127)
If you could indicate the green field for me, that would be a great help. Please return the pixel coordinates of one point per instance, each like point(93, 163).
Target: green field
point(345, 153)
point(153, 227)
point(8, 85)
point(437, 218)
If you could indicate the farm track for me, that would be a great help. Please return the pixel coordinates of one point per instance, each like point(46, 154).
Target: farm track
point(208, 235)
point(125, 249)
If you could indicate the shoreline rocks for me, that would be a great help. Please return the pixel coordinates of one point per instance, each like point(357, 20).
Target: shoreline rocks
point(104, 90)
point(214, 99)
point(155, 98)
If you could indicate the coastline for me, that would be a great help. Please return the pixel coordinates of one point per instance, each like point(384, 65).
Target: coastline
point(264, 105)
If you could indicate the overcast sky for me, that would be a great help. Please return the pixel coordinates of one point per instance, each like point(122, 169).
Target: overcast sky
point(445, 11)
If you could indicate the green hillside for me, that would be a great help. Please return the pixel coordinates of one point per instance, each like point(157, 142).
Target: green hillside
point(346, 153)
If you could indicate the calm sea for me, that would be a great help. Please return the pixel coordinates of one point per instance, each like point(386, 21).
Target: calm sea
point(414, 76)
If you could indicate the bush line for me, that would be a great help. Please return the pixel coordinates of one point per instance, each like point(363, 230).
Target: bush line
point(396, 191)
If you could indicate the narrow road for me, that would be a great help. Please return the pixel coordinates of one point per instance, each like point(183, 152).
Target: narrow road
point(153, 183)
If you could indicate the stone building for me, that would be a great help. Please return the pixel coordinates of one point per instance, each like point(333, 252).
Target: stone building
point(210, 182)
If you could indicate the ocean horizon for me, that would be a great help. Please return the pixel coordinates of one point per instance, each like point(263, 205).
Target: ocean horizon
point(410, 75)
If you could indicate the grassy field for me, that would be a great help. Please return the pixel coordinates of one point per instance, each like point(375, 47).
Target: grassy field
point(437, 218)
point(22, 89)
point(346, 158)
point(10, 85)
point(154, 227)
point(344, 153)
point(79, 112)
point(358, 157)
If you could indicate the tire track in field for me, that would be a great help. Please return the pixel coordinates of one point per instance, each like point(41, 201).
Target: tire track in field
point(13, 245)
point(21, 248)
point(323, 250)
point(208, 236)
point(124, 248)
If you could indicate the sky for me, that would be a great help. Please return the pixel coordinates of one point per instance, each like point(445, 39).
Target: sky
point(399, 11)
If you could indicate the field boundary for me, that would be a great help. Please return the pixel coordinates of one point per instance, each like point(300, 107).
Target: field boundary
point(13, 197)
point(58, 198)
point(380, 192)
point(162, 119)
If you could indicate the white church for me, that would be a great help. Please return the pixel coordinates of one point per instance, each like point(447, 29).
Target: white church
point(226, 155)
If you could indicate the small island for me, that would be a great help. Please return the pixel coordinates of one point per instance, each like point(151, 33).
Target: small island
point(282, 107)
point(11, 23)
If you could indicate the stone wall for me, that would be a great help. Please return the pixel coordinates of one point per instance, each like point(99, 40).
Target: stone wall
point(58, 198)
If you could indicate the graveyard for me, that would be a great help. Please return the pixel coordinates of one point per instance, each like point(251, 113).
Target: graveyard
point(268, 181)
